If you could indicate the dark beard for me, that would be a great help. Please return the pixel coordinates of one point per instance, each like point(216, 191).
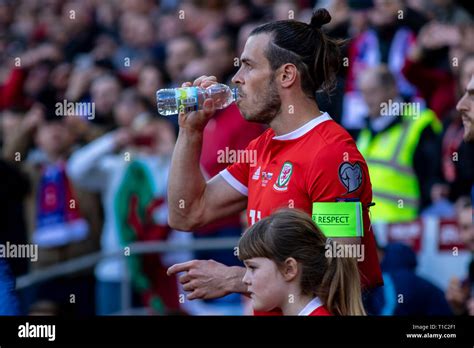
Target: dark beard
point(269, 107)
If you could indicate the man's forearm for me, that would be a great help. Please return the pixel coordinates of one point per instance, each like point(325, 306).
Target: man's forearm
point(186, 183)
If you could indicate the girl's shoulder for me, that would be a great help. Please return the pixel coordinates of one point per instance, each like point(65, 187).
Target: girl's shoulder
point(320, 311)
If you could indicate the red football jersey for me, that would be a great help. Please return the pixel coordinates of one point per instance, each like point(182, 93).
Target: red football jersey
point(318, 162)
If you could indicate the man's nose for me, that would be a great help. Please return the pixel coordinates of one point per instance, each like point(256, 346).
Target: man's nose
point(237, 79)
point(462, 105)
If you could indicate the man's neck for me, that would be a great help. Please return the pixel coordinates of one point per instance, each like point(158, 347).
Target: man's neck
point(294, 115)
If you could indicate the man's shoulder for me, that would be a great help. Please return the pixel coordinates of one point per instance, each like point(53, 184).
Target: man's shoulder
point(331, 136)
point(335, 147)
point(330, 130)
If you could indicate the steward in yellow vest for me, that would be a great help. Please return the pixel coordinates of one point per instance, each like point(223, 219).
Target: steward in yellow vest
point(401, 144)
point(390, 158)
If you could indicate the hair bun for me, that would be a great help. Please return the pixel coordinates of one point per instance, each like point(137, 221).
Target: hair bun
point(320, 17)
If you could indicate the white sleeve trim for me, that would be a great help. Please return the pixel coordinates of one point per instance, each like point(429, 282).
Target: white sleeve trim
point(236, 184)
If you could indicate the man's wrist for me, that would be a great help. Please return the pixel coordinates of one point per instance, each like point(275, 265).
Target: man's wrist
point(190, 133)
point(234, 283)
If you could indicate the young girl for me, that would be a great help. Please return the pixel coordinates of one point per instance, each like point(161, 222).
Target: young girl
point(287, 269)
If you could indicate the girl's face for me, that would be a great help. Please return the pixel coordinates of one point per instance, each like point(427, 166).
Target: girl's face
point(266, 284)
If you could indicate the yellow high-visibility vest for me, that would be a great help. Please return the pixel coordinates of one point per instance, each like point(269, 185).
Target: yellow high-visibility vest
point(389, 156)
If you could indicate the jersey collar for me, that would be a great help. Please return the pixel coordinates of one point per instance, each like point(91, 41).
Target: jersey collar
point(304, 128)
point(311, 306)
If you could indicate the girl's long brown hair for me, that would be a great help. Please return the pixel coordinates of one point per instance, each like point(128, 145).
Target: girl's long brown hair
point(291, 233)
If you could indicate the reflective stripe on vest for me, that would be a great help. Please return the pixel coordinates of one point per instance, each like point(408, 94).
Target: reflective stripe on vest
point(389, 156)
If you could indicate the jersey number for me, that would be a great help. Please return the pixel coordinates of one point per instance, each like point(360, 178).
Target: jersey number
point(255, 215)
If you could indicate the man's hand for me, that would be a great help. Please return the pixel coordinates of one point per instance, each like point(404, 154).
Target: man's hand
point(197, 120)
point(206, 201)
point(209, 279)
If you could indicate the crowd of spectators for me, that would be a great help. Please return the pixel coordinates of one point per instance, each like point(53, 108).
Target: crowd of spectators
point(76, 183)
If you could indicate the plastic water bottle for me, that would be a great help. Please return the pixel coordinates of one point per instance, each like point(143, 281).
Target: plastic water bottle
point(171, 101)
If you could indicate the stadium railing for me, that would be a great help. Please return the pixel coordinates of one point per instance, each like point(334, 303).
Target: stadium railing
point(88, 261)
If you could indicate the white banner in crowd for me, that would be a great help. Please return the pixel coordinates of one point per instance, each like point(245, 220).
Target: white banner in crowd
point(440, 253)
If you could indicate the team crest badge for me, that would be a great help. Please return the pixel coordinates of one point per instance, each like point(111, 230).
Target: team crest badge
point(350, 176)
point(283, 179)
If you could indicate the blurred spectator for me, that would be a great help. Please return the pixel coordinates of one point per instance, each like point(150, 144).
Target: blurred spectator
point(195, 67)
point(406, 15)
point(387, 41)
point(150, 79)
point(460, 293)
point(169, 26)
point(61, 220)
point(11, 90)
point(9, 304)
point(397, 139)
point(105, 93)
point(447, 11)
point(14, 189)
point(436, 85)
point(179, 52)
point(220, 51)
point(129, 167)
point(244, 32)
point(238, 13)
point(285, 9)
point(130, 107)
point(341, 14)
point(404, 292)
point(351, 17)
point(202, 18)
point(27, 75)
point(78, 28)
point(138, 35)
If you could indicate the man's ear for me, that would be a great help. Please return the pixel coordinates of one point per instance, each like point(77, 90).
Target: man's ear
point(290, 269)
point(288, 75)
